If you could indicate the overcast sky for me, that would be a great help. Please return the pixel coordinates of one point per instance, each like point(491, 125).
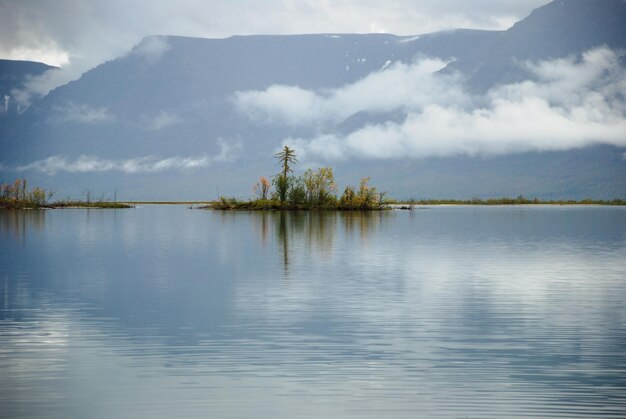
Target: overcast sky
point(83, 33)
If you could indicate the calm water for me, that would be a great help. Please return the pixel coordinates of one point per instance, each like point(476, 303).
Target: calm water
point(162, 311)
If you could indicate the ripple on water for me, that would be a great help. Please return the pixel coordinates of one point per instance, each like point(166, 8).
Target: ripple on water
point(162, 311)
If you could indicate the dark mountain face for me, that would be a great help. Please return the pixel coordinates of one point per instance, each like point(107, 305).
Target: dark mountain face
point(137, 118)
point(183, 87)
point(556, 30)
point(13, 76)
point(565, 27)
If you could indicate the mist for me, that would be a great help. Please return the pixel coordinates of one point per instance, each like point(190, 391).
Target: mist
point(565, 104)
point(145, 164)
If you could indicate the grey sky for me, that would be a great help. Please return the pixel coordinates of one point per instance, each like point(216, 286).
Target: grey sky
point(83, 33)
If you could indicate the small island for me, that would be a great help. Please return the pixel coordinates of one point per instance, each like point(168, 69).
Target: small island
point(317, 190)
point(17, 195)
point(314, 190)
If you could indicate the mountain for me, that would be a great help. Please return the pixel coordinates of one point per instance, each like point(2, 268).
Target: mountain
point(13, 76)
point(165, 121)
point(556, 30)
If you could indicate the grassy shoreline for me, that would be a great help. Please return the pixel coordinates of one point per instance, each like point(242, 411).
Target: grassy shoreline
point(313, 190)
point(90, 205)
point(255, 206)
point(299, 196)
point(510, 201)
point(259, 205)
point(233, 204)
point(23, 205)
point(18, 195)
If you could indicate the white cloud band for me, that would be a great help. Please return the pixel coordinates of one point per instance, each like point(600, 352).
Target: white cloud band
point(569, 103)
point(397, 87)
point(83, 164)
point(147, 164)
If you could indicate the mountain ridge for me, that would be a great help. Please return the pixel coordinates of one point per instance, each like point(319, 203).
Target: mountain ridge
point(172, 96)
point(14, 74)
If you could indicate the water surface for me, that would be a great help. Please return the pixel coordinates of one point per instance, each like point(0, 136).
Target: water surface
point(162, 311)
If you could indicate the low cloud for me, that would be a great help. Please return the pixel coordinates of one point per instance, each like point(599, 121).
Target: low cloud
point(400, 86)
point(82, 113)
point(147, 164)
point(151, 48)
point(569, 103)
point(510, 127)
point(35, 87)
point(160, 120)
point(84, 164)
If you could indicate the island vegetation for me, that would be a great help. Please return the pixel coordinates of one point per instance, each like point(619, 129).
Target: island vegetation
point(17, 195)
point(312, 190)
point(317, 190)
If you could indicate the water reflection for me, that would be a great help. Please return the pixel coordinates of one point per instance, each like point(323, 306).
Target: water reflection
point(442, 312)
point(14, 223)
point(314, 231)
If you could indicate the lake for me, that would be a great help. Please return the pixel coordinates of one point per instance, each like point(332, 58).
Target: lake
point(165, 311)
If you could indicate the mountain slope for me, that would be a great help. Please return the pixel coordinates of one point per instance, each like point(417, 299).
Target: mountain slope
point(13, 76)
point(165, 122)
point(558, 29)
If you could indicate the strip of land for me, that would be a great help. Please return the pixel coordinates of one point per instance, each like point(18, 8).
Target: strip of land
point(507, 201)
point(314, 191)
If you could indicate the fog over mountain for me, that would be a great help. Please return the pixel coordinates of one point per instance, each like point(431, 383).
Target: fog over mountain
point(15, 79)
point(538, 109)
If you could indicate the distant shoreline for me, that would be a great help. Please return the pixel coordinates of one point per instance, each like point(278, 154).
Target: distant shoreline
point(311, 191)
point(410, 205)
point(510, 201)
point(392, 206)
point(439, 202)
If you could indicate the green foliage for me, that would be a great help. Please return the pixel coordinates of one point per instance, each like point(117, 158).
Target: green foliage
point(366, 197)
point(312, 190)
point(297, 195)
point(348, 198)
point(40, 196)
point(281, 187)
point(317, 190)
point(282, 181)
point(320, 187)
point(225, 203)
point(17, 195)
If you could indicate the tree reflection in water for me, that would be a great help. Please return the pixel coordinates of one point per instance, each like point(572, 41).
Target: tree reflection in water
point(15, 223)
point(314, 230)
